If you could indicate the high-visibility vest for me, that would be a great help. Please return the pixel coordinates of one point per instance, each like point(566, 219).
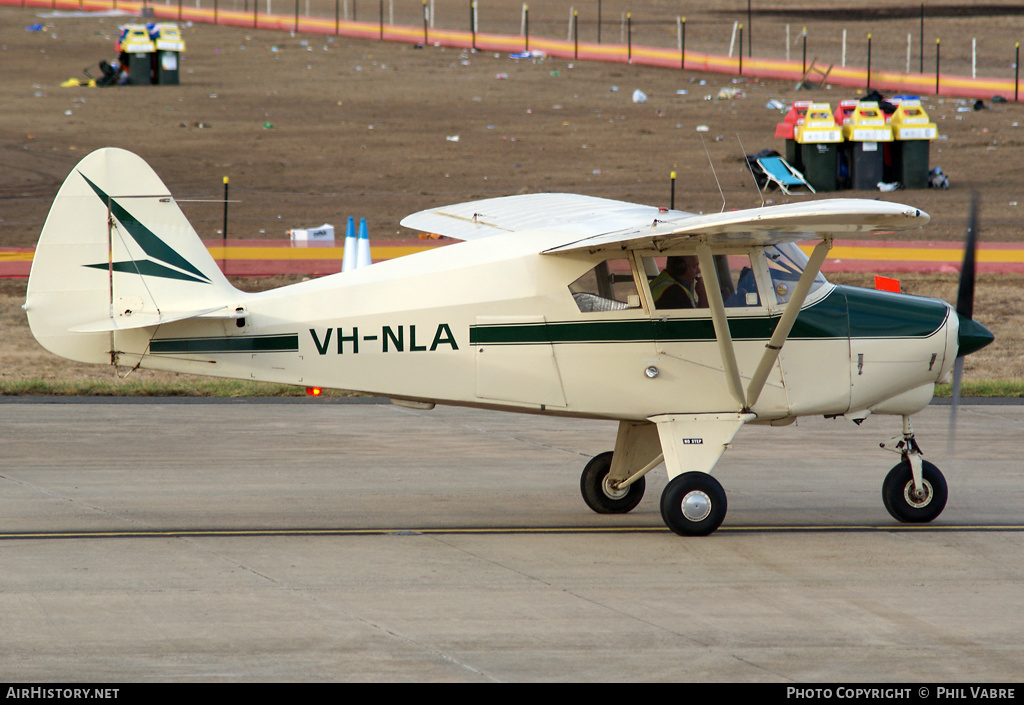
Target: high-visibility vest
point(663, 282)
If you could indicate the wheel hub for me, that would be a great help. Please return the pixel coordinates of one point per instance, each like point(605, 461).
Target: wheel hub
point(918, 498)
point(696, 505)
point(611, 491)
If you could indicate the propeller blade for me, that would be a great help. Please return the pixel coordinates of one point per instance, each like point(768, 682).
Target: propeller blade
point(964, 310)
point(965, 293)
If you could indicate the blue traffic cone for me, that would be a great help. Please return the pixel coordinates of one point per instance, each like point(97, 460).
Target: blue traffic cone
point(363, 256)
point(350, 258)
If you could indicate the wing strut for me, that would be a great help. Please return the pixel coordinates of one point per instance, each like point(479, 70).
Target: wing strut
point(725, 347)
point(785, 325)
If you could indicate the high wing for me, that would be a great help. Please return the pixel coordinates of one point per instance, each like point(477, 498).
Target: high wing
point(770, 225)
point(594, 224)
point(580, 216)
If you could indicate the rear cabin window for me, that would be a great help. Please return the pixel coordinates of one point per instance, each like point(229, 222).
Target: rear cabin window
point(609, 286)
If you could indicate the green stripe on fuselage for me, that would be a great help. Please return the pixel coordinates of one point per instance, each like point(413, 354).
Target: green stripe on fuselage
point(844, 312)
point(234, 344)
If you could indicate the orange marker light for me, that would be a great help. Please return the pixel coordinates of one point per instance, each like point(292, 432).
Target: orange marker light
point(314, 391)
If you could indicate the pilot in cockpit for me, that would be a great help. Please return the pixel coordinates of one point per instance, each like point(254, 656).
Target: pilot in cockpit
point(679, 285)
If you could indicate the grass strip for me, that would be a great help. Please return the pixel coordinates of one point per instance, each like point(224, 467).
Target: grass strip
point(1007, 388)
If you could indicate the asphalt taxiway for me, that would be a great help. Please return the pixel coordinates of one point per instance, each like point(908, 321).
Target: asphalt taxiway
point(312, 540)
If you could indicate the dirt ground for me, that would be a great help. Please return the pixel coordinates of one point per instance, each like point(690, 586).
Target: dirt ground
point(313, 129)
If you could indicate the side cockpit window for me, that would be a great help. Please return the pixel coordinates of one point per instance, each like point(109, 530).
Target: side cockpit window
point(609, 286)
point(677, 282)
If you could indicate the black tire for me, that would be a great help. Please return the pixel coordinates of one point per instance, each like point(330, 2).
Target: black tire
point(693, 504)
point(898, 500)
point(599, 496)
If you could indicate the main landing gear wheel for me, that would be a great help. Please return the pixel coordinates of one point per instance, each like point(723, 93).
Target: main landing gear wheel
point(693, 504)
point(907, 506)
point(598, 492)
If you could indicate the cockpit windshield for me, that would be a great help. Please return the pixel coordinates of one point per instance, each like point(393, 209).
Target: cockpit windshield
point(786, 263)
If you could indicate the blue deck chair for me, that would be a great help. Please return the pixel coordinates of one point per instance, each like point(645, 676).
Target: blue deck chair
point(780, 173)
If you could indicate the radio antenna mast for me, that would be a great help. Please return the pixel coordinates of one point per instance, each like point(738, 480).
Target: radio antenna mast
point(712, 165)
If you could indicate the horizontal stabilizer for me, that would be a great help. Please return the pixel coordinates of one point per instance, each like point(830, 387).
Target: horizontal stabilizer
point(143, 319)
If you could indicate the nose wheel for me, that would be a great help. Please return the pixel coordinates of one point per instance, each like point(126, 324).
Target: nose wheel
point(910, 503)
point(914, 491)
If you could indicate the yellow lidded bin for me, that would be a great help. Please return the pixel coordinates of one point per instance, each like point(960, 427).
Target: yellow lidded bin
point(912, 132)
point(818, 138)
point(865, 131)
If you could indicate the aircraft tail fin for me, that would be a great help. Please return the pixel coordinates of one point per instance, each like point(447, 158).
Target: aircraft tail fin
point(117, 253)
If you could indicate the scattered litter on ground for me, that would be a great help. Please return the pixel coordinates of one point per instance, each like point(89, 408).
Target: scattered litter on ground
point(702, 128)
point(639, 96)
point(452, 138)
point(773, 104)
point(730, 93)
point(893, 186)
point(936, 179)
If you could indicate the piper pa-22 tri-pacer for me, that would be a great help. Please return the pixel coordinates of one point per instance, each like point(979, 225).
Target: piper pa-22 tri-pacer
point(552, 305)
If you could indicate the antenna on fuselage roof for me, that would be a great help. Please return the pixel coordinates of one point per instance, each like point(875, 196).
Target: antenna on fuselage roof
point(750, 168)
point(711, 164)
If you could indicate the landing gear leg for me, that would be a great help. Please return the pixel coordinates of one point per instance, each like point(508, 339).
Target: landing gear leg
point(693, 503)
point(915, 490)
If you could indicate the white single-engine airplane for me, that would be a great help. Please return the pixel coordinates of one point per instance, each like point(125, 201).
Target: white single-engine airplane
point(548, 307)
